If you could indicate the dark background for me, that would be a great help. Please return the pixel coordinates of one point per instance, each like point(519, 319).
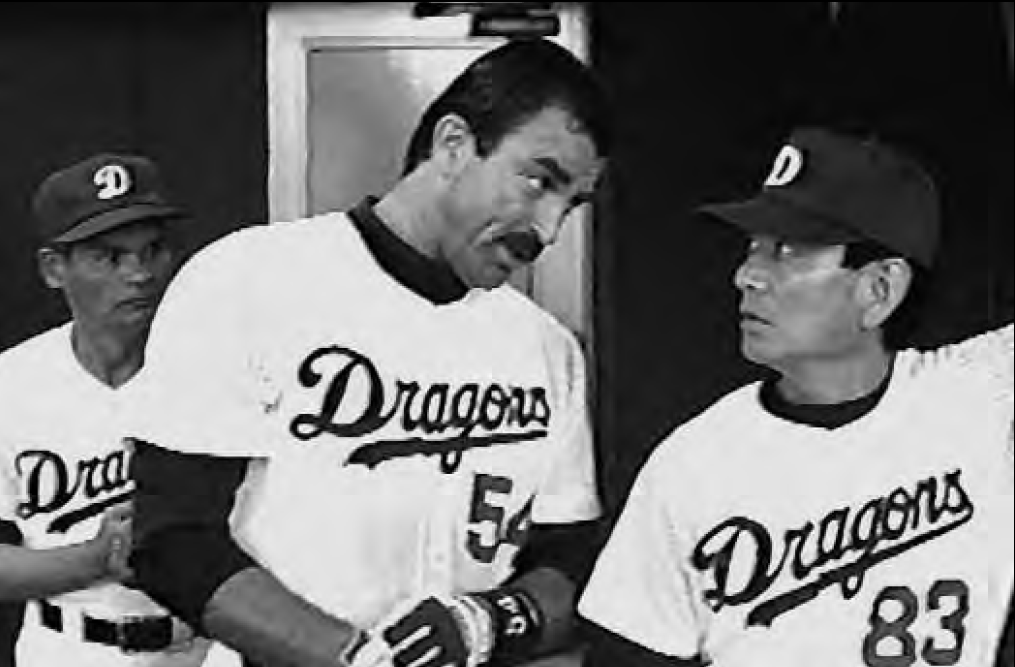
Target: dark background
point(706, 92)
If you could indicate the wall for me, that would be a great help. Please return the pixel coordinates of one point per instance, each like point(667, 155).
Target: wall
point(182, 82)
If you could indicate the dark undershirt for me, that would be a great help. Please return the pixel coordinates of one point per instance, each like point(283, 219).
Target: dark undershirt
point(432, 280)
point(823, 416)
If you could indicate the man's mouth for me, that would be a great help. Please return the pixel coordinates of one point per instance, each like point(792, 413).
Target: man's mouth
point(140, 302)
point(524, 247)
point(749, 317)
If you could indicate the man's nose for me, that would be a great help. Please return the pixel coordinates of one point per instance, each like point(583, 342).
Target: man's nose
point(135, 268)
point(549, 221)
point(749, 276)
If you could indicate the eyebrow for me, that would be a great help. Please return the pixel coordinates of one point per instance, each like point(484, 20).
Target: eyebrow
point(563, 177)
point(559, 173)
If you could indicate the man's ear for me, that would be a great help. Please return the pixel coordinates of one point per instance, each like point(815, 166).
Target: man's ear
point(52, 267)
point(453, 142)
point(883, 285)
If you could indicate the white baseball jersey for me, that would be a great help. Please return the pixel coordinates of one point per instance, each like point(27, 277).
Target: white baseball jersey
point(62, 464)
point(886, 542)
point(403, 446)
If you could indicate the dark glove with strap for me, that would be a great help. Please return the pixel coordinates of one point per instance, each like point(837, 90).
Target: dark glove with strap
point(499, 627)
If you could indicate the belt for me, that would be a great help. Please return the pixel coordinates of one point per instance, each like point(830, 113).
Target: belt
point(134, 635)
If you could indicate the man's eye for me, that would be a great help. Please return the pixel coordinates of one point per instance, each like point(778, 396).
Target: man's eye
point(104, 256)
point(536, 183)
point(784, 250)
point(156, 249)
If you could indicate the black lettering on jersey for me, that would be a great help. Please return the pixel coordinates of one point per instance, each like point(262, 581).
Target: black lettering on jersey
point(450, 450)
point(839, 548)
point(50, 484)
point(439, 409)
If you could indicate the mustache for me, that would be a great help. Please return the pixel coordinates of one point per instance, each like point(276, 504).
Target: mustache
point(524, 245)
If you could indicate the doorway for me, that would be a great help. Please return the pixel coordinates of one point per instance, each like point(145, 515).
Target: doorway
point(347, 82)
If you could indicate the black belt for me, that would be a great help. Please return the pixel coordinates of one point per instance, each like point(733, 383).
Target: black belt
point(142, 634)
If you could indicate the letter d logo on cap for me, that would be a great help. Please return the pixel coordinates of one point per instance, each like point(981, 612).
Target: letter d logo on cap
point(113, 180)
point(786, 167)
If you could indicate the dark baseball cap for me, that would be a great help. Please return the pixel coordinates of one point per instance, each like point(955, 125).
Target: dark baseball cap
point(829, 188)
point(98, 194)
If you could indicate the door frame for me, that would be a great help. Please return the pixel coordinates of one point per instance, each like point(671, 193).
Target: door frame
point(561, 280)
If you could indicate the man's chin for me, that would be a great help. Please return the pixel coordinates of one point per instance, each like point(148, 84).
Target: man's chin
point(491, 277)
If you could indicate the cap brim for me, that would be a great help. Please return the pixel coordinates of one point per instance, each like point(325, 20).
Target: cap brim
point(777, 217)
point(127, 215)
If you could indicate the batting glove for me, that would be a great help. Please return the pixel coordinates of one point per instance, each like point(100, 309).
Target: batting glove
point(439, 631)
point(366, 650)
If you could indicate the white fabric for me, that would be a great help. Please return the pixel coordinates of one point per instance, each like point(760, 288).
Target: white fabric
point(289, 343)
point(61, 463)
point(908, 509)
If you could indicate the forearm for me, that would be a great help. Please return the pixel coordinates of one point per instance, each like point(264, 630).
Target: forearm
point(554, 563)
point(255, 614)
point(27, 574)
point(554, 594)
point(186, 558)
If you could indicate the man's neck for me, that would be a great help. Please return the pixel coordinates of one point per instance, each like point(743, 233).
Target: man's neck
point(827, 382)
point(111, 357)
point(408, 210)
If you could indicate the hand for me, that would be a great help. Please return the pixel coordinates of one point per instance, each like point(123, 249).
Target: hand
point(367, 651)
point(438, 631)
point(114, 541)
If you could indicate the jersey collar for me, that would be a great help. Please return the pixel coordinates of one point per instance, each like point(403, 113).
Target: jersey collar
point(432, 280)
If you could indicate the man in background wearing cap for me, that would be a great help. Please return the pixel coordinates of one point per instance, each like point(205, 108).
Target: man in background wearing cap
point(855, 510)
point(64, 485)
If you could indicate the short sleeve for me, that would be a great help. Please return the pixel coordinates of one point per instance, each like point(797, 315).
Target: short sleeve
point(8, 488)
point(8, 478)
point(203, 388)
point(569, 492)
point(639, 588)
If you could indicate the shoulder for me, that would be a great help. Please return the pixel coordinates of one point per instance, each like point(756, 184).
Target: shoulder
point(28, 355)
point(522, 319)
point(256, 260)
point(518, 311)
point(990, 354)
point(267, 244)
point(712, 435)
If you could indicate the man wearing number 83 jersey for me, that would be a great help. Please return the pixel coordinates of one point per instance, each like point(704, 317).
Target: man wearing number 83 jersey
point(855, 510)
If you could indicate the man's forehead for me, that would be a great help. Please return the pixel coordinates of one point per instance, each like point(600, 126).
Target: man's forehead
point(143, 230)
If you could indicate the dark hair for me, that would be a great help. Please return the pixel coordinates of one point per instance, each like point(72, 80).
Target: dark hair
point(899, 330)
point(507, 86)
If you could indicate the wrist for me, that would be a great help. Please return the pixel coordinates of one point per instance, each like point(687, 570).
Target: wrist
point(517, 623)
point(95, 555)
point(476, 618)
point(363, 650)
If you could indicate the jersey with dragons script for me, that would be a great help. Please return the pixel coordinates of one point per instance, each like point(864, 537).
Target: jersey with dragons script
point(62, 464)
point(400, 446)
point(887, 542)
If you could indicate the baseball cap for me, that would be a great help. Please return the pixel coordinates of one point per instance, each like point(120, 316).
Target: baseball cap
point(830, 188)
point(98, 194)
